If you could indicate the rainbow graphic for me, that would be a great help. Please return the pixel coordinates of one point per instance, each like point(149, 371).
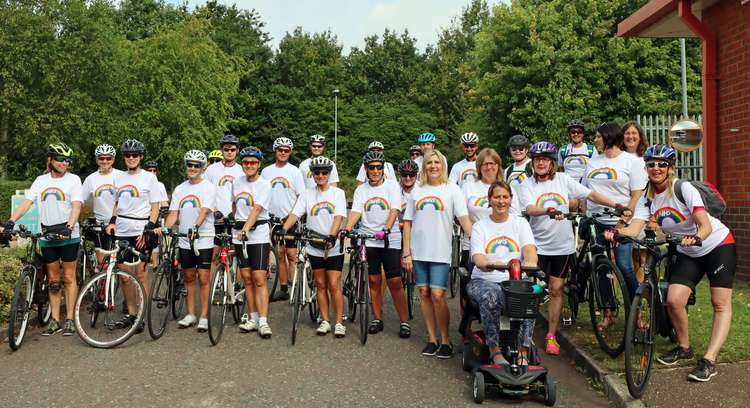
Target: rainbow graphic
point(377, 202)
point(495, 244)
point(576, 160)
point(433, 201)
point(550, 200)
point(105, 188)
point(191, 200)
point(604, 173)
point(469, 173)
point(668, 213)
point(53, 192)
point(322, 206)
point(481, 202)
point(128, 189)
point(245, 197)
point(227, 178)
point(517, 178)
point(284, 183)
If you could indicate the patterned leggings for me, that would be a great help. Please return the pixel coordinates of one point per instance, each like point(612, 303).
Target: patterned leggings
point(490, 297)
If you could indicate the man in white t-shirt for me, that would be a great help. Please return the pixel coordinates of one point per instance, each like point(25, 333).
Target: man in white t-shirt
point(390, 174)
point(415, 154)
point(317, 148)
point(100, 186)
point(520, 170)
point(286, 185)
point(153, 167)
point(465, 171)
point(574, 157)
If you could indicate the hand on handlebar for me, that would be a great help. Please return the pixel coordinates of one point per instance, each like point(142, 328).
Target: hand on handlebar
point(7, 226)
point(610, 234)
point(344, 232)
point(691, 240)
point(380, 235)
point(555, 214)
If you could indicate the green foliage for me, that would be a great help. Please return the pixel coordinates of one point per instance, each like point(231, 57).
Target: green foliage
point(7, 189)
point(10, 266)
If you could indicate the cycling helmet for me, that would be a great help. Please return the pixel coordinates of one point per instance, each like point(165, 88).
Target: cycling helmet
point(415, 148)
point(321, 163)
point(576, 123)
point(317, 139)
point(518, 140)
point(251, 151)
point(59, 149)
point(283, 142)
point(426, 137)
point(132, 146)
point(104, 150)
point(373, 156)
point(544, 149)
point(408, 167)
point(150, 165)
point(196, 156)
point(229, 139)
point(469, 137)
point(376, 145)
point(215, 154)
point(660, 152)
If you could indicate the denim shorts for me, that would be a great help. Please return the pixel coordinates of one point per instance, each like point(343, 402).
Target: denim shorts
point(431, 274)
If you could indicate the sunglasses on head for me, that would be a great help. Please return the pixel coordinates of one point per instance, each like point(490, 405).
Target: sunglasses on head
point(659, 164)
point(192, 165)
point(320, 172)
point(105, 158)
point(374, 167)
point(63, 159)
point(283, 150)
point(230, 149)
point(131, 155)
point(470, 145)
point(250, 162)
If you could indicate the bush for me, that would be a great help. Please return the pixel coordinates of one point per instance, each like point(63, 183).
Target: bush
point(7, 189)
point(10, 266)
point(348, 184)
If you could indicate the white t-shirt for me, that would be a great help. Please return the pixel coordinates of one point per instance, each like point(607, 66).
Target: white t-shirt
point(404, 201)
point(675, 218)
point(615, 178)
point(304, 169)
point(375, 205)
point(552, 237)
point(189, 199)
point(389, 174)
point(431, 210)
point(419, 160)
point(135, 194)
point(54, 197)
point(517, 174)
point(477, 204)
point(499, 242)
point(102, 188)
point(576, 159)
point(321, 208)
point(463, 172)
point(163, 193)
point(286, 185)
point(247, 194)
point(222, 177)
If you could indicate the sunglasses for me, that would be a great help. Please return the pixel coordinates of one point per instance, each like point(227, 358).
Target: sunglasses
point(192, 165)
point(248, 163)
point(212, 161)
point(283, 150)
point(320, 172)
point(316, 146)
point(151, 170)
point(375, 167)
point(660, 164)
point(408, 175)
point(415, 153)
point(131, 155)
point(470, 145)
point(105, 158)
point(517, 149)
point(63, 159)
point(230, 149)
point(576, 132)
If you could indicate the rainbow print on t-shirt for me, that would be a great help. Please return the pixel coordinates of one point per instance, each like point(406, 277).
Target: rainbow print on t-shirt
point(373, 202)
point(191, 200)
point(668, 213)
point(550, 200)
point(53, 192)
point(481, 202)
point(576, 160)
point(432, 201)
point(469, 173)
point(245, 197)
point(105, 188)
point(501, 242)
point(322, 206)
point(604, 173)
point(129, 189)
point(226, 179)
point(279, 181)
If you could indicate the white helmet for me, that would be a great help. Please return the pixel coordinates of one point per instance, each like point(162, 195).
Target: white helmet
point(376, 145)
point(321, 163)
point(317, 138)
point(104, 150)
point(469, 137)
point(283, 142)
point(196, 156)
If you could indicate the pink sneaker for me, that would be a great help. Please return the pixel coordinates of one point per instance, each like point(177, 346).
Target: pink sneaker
point(553, 348)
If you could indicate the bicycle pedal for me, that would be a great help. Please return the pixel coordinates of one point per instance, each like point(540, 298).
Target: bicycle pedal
point(567, 321)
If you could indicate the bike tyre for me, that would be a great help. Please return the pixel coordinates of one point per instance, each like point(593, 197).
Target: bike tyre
point(641, 302)
point(217, 308)
point(20, 308)
point(602, 265)
point(363, 299)
point(159, 298)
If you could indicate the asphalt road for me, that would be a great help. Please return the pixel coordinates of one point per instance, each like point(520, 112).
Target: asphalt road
point(183, 369)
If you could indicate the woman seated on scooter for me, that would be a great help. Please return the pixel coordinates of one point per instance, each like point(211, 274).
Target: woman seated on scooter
point(496, 241)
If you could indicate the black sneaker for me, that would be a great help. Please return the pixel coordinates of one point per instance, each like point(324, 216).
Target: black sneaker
point(279, 296)
point(52, 328)
point(445, 351)
point(68, 328)
point(671, 357)
point(126, 321)
point(375, 326)
point(430, 349)
point(705, 370)
point(404, 330)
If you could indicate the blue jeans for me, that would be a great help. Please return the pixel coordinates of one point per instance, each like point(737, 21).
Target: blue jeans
point(431, 274)
point(623, 259)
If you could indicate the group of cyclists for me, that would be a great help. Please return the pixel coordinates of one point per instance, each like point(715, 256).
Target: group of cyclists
point(516, 212)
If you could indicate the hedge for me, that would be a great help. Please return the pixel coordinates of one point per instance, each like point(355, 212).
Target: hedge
point(10, 267)
point(7, 189)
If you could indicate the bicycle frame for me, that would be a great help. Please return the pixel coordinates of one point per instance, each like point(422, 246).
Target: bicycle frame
point(109, 286)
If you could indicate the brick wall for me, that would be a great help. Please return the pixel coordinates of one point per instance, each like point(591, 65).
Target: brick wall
point(731, 22)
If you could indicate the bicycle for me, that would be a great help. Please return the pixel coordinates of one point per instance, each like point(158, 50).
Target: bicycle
point(357, 283)
point(408, 284)
point(30, 292)
point(86, 259)
point(455, 258)
point(168, 292)
point(274, 223)
point(225, 290)
point(108, 296)
point(649, 315)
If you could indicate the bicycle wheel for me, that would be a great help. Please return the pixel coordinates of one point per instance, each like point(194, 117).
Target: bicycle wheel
point(311, 294)
point(363, 298)
point(453, 280)
point(297, 302)
point(108, 334)
point(350, 291)
point(608, 302)
point(410, 299)
point(639, 342)
point(179, 292)
point(217, 308)
point(20, 307)
point(159, 303)
point(273, 274)
point(41, 298)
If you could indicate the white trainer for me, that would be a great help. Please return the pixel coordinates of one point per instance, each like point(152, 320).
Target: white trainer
point(249, 326)
point(324, 328)
point(187, 321)
point(202, 325)
point(339, 330)
point(264, 330)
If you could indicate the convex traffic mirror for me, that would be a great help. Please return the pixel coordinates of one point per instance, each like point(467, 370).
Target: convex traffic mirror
point(686, 135)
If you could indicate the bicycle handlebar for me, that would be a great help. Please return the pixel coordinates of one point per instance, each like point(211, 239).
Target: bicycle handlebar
point(123, 246)
point(652, 242)
point(531, 271)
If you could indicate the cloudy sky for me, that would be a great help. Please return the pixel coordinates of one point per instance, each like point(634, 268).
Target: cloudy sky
point(353, 20)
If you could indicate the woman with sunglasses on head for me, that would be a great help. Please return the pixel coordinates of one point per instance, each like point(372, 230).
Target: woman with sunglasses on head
point(58, 196)
point(427, 235)
point(377, 204)
point(325, 207)
point(707, 248)
point(634, 142)
point(100, 187)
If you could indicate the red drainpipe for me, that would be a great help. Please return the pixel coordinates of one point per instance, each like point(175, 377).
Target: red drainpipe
point(710, 87)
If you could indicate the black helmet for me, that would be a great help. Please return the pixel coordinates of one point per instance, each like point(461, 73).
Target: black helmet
point(374, 156)
point(576, 123)
point(150, 165)
point(59, 149)
point(408, 167)
point(229, 139)
point(518, 140)
point(133, 146)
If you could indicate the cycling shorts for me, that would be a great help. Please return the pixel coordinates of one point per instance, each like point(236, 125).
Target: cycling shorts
point(332, 263)
point(189, 260)
point(389, 259)
point(257, 256)
point(100, 239)
point(557, 266)
point(129, 257)
point(719, 265)
point(65, 253)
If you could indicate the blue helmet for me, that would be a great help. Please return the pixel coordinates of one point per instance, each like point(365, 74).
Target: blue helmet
point(251, 151)
point(426, 137)
point(660, 152)
point(543, 149)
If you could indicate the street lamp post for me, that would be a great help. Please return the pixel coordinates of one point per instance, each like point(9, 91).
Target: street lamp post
point(335, 124)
